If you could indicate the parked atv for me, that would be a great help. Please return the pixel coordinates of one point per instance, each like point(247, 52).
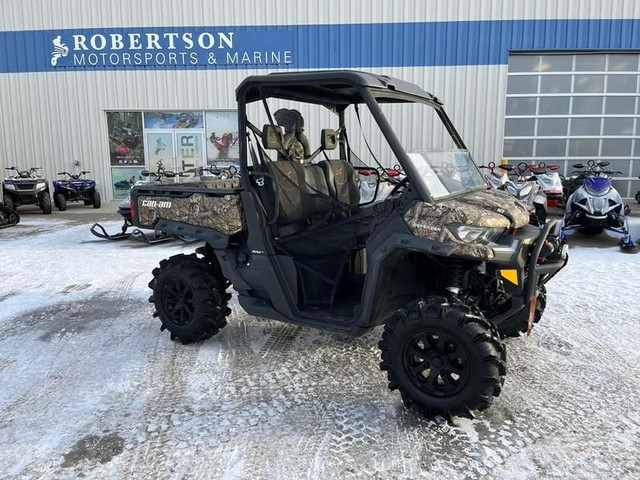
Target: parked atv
point(76, 188)
point(444, 262)
point(26, 187)
point(124, 209)
point(596, 206)
point(522, 183)
point(8, 217)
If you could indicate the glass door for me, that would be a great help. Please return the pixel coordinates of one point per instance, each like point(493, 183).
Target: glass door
point(189, 154)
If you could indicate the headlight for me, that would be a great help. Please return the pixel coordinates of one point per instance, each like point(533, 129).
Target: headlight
point(9, 186)
point(470, 234)
point(40, 185)
point(525, 190)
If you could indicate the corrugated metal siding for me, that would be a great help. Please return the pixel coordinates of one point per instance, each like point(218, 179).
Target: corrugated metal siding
point(36, 14)
point(51, 119)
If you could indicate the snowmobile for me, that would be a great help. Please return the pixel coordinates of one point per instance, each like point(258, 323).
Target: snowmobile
point(550, 183)
point(495, 178)
point(596, 206)
point(447, 266)
point(26, 187)
point(124, 209)
point(8, 217)
point(75, 188)
point(522, 183)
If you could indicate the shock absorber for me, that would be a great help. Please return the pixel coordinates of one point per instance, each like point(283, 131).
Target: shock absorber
point(456, 276)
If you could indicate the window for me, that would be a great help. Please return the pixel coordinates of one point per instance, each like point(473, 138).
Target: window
point(575, 107)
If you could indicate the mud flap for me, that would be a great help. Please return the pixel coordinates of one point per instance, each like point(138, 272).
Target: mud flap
point(532, 312)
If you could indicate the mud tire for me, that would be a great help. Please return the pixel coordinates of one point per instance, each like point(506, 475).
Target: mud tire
point(45, 203)
point(422, 344)
point(60, 201)
point(190, 299)
point(518, 324)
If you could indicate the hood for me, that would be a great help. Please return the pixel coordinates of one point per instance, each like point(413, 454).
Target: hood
point(484, 208)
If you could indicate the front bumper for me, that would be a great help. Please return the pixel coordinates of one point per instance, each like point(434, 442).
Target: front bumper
point(540, 269)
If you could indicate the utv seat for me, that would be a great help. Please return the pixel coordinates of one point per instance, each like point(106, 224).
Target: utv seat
point(342, 181)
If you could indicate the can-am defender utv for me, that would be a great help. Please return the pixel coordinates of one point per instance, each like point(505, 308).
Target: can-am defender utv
point(444, 262)
point(26, 187)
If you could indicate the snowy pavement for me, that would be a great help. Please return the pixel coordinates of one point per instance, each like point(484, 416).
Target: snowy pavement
point(89, 386)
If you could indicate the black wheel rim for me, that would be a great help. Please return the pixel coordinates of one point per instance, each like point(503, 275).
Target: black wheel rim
point(436, 363)
point(177, 300)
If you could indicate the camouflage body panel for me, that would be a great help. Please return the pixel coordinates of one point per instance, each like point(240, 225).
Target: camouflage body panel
point(484, 208)
point(223, 213)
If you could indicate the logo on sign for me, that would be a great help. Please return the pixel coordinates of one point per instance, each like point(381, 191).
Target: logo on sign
point(59, 50)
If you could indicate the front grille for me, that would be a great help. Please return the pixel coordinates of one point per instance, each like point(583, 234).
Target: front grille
point(25, 186)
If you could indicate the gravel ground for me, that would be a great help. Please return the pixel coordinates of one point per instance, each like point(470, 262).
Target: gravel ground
point(89, 386)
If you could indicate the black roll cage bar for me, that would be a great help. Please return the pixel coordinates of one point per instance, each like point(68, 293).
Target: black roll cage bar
point(321, 88)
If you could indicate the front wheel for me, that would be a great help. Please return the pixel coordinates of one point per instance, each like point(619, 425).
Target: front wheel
point(519, 323)
point(444, 358)
point(45, 203)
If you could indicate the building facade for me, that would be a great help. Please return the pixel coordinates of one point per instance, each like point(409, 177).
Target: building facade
point(118, 86)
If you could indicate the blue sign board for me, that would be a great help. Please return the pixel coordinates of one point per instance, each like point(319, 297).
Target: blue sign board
point(306, 46)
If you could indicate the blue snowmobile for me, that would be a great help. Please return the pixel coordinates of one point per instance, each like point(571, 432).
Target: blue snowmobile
point(596, 206)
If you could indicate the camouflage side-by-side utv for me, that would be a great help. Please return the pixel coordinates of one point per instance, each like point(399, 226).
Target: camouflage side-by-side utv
point(448, 266)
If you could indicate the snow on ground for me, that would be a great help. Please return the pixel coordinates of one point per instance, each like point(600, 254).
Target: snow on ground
point(90, 386)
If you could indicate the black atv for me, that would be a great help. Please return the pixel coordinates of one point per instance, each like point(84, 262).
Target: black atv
point(75, 187)
point(448, 266)
point(26, 187)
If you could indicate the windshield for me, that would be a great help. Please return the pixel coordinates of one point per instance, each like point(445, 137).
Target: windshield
point(446, 172)
point(444, 168)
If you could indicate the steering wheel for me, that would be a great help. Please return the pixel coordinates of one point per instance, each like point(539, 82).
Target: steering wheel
point(401, 184)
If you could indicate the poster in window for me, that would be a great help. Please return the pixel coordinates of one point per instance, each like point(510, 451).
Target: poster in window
point(172, 119)
point(160, 150)
point(126, 147)
point(123, 178)
point(222, 138)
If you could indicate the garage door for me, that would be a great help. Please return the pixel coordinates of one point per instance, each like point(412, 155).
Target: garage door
point(568, 108)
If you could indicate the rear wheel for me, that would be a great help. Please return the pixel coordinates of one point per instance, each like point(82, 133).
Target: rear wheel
point(61, 201)
point(444, 358)
point(45, 203)
point(519, 323)
point(190, 298)
point(96, 199)
point(8, 201)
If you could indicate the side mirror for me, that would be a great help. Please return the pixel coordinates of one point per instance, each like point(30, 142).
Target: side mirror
point(578, 165)
point(272, 138)
point(508, 168)
point(603, 164)
point(145, 173)
point(328, 139)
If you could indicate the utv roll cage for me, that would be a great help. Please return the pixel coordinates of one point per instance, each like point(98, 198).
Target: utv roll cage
point(337, 90)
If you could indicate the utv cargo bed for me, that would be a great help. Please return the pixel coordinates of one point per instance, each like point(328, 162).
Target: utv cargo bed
point(208, 209)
